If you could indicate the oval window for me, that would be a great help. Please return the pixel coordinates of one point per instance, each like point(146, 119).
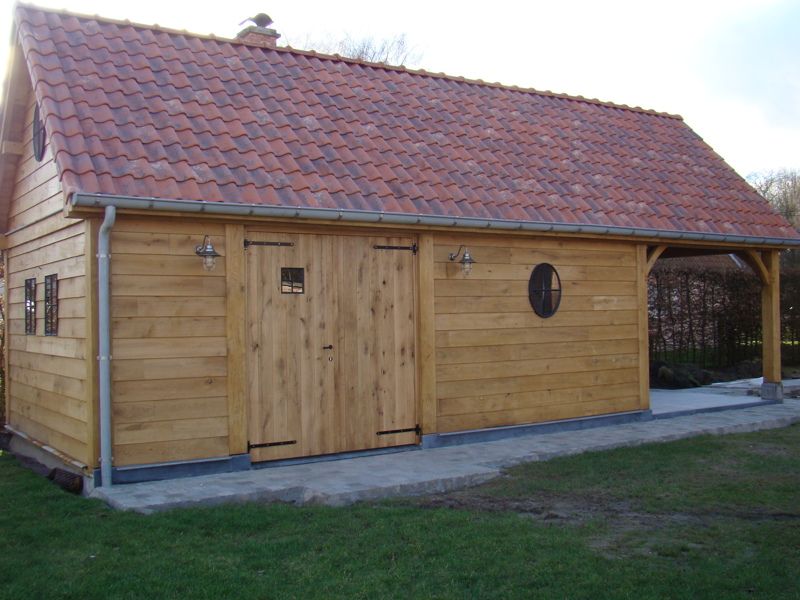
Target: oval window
point(38, 136)
point(544, 290)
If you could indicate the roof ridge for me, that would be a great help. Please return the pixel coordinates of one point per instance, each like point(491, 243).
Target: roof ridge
point(339, 58)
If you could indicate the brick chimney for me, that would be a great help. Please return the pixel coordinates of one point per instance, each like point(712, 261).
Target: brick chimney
point(259, 36)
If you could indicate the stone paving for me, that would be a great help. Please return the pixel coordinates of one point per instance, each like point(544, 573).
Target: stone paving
point(416, 472)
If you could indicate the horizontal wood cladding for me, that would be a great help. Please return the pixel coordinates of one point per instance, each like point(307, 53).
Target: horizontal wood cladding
point(509, 287)
point(170, 389)
point(534, 335)
point(47, 375)
point(554, 412)
point(67, 328)
point(498, 363)
point(169, 346)
point(157, 452)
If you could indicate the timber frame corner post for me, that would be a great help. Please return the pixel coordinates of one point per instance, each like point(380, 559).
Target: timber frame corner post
point(766, 265)
point(772, 387)
point(646, 256)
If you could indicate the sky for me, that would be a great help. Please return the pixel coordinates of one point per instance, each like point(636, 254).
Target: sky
point(731, 68)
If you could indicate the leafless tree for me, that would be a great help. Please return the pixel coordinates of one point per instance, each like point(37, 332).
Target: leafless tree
point(395, 51)
point(782, 189)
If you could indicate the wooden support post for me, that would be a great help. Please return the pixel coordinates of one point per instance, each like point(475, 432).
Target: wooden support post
point(426, 334)
point(235, 326)
point(642, 272)
point(92, 382)
point(771, 327)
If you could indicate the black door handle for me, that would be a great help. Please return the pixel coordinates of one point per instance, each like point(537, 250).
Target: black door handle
point(328, 347)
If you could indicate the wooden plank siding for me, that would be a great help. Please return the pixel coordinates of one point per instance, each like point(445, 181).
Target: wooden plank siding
point(169, 342)
point(48, 390)
point(498, 363)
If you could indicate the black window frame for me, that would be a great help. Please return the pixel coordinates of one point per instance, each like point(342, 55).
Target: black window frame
point(30, 306)
point(51, 304)
point(544, 298)
point(293, 280)
point(39, 138)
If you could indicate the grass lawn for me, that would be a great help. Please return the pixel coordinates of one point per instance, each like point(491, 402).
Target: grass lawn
point(711, 517)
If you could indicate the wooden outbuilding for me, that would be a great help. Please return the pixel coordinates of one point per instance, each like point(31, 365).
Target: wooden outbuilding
point(310, 255)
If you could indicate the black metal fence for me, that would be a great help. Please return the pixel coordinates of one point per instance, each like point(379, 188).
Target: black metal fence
point(713, 318)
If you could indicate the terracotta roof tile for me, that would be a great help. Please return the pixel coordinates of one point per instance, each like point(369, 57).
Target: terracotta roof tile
point(141, 111)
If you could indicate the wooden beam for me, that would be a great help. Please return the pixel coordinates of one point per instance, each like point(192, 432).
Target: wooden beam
point(426, 334)
point(754, 260)
point(677, 251)
point(295, 224)
point(235, 327)
point(771, 318)
point(652, 256)
point(643, 265)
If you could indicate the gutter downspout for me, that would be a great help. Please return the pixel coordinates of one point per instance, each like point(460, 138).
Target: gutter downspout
point(104, 342)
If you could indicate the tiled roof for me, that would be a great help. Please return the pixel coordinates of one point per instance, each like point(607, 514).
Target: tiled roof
point(140, 111)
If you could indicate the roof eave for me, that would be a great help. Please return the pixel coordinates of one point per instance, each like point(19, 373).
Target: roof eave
point(84, 200)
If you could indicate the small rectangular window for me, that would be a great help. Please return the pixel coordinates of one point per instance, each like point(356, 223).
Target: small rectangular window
point(30, 306)
point(292, 280)
point(51, 305)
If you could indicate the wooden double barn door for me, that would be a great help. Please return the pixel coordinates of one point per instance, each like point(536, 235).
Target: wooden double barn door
point(330, 343)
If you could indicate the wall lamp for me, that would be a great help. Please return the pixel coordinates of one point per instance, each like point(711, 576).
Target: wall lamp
point(207, 252)
point(466, 261)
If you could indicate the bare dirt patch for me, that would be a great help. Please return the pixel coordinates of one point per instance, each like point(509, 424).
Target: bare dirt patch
point(618, 528)
point(580, 509)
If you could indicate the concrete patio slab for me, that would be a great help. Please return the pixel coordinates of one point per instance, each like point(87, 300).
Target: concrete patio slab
point(742, 393)
point(428, 471)
point(675, 403)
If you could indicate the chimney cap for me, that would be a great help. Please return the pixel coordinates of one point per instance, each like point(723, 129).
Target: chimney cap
point(261, 20)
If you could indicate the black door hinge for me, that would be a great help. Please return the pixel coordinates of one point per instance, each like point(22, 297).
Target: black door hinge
point(248, 243)
point(412, 247)
point(416, 429)
point(270, 444)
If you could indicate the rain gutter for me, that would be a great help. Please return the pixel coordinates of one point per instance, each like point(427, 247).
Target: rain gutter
point(365, 216)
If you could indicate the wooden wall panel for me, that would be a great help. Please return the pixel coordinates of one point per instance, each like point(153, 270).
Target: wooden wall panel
point(169, 342)
point(498, 363)
point(47, 375)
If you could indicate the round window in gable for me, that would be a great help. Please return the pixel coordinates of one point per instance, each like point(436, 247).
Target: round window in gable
point(38, 136)
point(544, 290)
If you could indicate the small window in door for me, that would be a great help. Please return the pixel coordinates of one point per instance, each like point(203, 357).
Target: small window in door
point(292, 280)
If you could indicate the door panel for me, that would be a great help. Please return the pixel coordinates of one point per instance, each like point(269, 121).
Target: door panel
point(358, 300)
point(280, 358)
